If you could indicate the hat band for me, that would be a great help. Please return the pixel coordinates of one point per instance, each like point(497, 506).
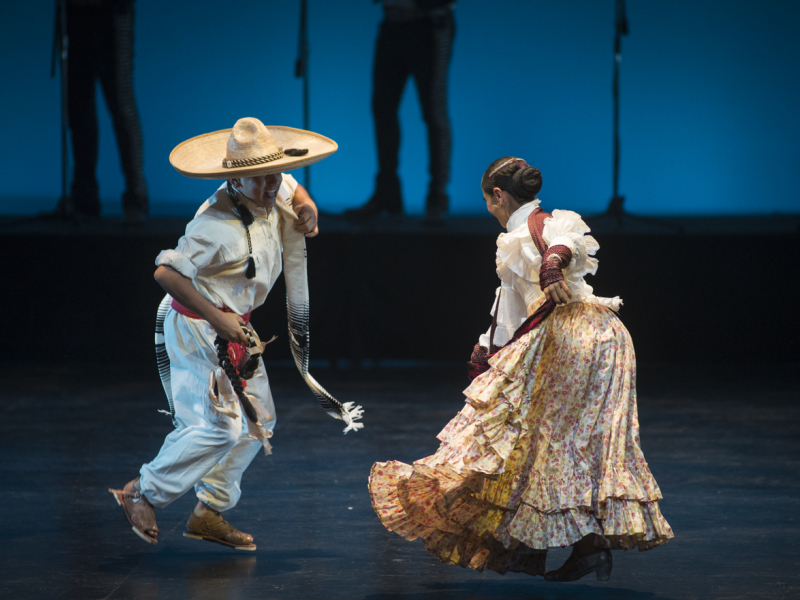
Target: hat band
point(231, 163)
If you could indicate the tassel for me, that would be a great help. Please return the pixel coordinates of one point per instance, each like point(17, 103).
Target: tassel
point(245, 215)
point(247, 219)
point(352, 414)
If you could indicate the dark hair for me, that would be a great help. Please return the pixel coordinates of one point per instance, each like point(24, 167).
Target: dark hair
point(517, 178)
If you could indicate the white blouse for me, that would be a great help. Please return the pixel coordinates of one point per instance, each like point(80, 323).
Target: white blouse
point(518, 262)
point(213, 251)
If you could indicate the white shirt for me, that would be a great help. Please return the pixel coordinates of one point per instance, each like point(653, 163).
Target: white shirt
point(213, 252)
point(518, 263)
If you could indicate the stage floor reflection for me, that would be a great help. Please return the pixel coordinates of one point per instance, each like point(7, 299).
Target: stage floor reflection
point(722, 442)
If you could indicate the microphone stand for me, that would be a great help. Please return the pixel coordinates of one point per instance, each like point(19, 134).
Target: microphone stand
point(615, 207)
point(61, 54)
point(301, 70)
point(65, 209)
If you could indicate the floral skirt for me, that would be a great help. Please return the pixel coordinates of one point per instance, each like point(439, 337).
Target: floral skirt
point(545, 452)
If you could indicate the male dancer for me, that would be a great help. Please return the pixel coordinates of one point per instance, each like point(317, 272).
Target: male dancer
point(222, 269)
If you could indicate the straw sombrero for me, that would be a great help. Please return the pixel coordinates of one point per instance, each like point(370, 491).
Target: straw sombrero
point(249, 149)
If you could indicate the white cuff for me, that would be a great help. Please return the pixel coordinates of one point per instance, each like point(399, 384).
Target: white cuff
point(176, 260)
point(563, 240)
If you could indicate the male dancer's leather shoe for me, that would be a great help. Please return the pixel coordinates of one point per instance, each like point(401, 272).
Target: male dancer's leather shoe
point(140, 513)
point(576, 567)
point(213, 527)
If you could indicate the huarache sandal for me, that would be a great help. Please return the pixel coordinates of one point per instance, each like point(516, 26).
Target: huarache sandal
point(213, 527)
point(138, 510)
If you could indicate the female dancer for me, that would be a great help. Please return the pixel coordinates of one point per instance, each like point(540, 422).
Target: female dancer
point(546, 451)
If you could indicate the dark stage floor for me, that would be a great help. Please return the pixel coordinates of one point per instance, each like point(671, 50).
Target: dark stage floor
point(723, 444)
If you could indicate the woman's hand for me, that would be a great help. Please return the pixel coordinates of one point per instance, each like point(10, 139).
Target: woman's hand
point(307, 220)
point(558, 292)
point(229, 326)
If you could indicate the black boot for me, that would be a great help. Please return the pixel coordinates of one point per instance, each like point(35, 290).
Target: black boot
point(134, 206)
point(577, 566)
point(75, 207)
point(375, 206)
point(387, 198)
point(435, 209)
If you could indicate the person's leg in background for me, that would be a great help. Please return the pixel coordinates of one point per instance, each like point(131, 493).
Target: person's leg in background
point(431, 59)
point(116, 78)
point(390, 73)
point(84, 27)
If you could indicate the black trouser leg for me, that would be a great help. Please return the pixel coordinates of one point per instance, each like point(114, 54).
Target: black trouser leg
point(390, 73)
point(116, 78)
point(82, 119)
point(430, 66)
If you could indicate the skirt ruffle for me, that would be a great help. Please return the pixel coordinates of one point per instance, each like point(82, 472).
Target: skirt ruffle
point(545, 451)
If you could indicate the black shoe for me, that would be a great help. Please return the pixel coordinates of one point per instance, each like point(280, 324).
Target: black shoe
point(59, 213)
point(576, 567)
point(133, 217)
point(376, 206)
point(72, 209)
point(434, 217)
point(85, 205)
point(435, 209)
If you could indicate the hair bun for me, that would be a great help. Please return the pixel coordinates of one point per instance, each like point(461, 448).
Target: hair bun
point(526, 183)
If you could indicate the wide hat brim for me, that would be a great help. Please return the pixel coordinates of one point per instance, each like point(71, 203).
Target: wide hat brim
point(201, 157)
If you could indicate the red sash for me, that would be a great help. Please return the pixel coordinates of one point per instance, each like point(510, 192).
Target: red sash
point(479, 362)
point(180, 308)
point(236, 352)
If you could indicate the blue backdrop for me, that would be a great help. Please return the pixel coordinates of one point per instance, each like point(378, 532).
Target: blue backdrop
point(710, 97)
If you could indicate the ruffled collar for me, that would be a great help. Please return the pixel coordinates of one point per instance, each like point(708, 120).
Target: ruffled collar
point(521, 215)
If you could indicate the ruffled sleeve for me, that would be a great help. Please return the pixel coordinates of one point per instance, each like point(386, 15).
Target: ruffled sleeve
point(516, 253)
point(566, 228)
point(197, 249)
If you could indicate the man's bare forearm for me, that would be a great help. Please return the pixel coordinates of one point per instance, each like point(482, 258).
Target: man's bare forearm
point(182, 289)
point(301, 197)
point(227, 325)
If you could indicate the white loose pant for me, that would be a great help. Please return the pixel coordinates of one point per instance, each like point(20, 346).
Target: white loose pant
point(207, 450)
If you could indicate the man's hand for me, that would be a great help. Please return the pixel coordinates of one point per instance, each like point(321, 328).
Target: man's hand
point(558, 292)
point(307, 220)
point(306, 211)
point(229, 327)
